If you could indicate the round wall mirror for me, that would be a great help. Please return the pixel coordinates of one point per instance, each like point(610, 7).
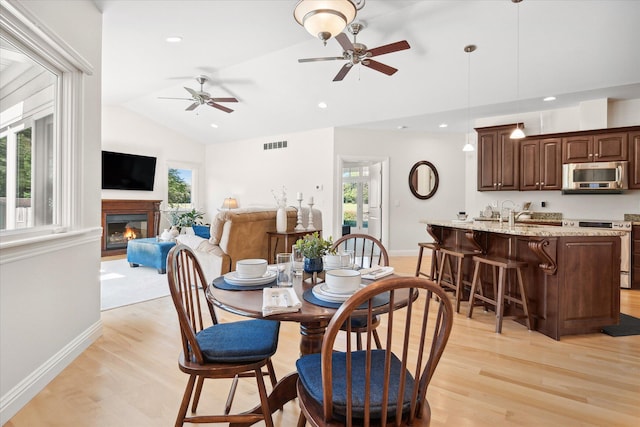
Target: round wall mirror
point(423, 180)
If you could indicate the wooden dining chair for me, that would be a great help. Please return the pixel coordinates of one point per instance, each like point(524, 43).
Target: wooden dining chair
point(368, 252)
point(217, 350)
point(385, 386)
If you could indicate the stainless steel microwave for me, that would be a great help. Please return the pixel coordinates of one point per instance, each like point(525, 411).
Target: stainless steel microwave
point(595, 177)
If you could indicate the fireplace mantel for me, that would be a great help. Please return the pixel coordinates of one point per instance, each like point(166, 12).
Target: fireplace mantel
point(151, 208)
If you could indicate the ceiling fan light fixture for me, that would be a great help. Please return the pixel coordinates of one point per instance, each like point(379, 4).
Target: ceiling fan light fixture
point(324, 18)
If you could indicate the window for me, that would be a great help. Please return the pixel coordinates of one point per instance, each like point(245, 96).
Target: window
point(180, 184)
point(355, 197)
point(26, 141)
point(40, 169)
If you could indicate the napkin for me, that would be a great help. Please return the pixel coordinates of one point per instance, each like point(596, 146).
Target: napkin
point(376, 272)
point(279, 300)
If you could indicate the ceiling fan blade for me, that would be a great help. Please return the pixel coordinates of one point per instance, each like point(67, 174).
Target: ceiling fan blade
point(345, 42)
point(192, 92)
point(219, 107)
point(326, 58)
point(379, 66)
point(343, 72)
point(192, 106)
point(183, 99)
point(223, 100)
point(388, 48)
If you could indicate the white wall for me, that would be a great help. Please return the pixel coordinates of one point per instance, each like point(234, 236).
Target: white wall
point(49, 288)
point(244, 170)
point(128, 132)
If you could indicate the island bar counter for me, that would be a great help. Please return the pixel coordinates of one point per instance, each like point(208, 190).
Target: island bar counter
point(573, 275)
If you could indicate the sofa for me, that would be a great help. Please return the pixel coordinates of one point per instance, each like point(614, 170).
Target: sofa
point(240, 234)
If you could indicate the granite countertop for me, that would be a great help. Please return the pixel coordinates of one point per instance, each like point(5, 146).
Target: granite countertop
point(520, 229)
point(634, 218)
point(525, 221)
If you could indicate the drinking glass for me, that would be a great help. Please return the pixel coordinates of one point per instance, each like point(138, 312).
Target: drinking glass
point(349, 260)
point(298, 261)
point(285, 270)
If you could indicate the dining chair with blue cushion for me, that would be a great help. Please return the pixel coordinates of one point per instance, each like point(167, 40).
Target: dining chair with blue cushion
point(386, 386)
point(368, 252)
point(217, 350)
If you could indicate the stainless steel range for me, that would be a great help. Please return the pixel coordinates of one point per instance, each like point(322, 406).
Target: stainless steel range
point(625, 242)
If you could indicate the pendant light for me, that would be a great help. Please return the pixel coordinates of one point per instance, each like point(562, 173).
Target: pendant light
point(470, 48)
point(517, 133)
point(326, 18)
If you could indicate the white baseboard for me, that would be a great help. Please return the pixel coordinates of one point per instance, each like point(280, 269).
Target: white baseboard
point(30, 386)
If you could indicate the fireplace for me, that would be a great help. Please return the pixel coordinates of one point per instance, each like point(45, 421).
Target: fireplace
point(124, 220)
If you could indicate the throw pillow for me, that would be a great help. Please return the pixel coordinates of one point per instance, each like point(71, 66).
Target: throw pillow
point(202, 231)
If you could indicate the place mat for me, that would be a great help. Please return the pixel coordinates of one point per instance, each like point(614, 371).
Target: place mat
point(628, 325)
point(378, 300)
point(221, 284)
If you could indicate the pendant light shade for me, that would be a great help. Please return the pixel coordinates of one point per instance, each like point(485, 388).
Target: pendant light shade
point(468, 49)
point(324, 18)
point(517, 133)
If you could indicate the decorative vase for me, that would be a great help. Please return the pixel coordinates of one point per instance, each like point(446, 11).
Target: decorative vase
point(313, 265)
point(281, 220)
point(175, 232)
point(165, 236)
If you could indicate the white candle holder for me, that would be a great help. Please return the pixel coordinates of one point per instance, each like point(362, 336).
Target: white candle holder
point(299, 226)
point(310, 226)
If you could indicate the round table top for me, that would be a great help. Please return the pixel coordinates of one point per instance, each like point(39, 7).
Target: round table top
point(249, 304)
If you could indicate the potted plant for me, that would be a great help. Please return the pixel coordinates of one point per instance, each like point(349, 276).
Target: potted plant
point(184, 219)
point(313, 248)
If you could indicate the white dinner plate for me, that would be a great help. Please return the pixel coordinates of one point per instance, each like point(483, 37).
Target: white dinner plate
point(322, 292)
point(232, 278)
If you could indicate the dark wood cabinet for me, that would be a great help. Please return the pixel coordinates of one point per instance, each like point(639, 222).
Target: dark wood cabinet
point(635, 257)
point(498, 159)
point(604, 147)
point(634, 162)
point(540, 164)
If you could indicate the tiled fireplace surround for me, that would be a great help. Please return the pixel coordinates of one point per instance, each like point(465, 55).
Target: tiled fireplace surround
point(123, 220)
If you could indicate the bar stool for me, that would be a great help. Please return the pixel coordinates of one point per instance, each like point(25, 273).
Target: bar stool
point(503, 265)
point(455, 279)
point(433, 271)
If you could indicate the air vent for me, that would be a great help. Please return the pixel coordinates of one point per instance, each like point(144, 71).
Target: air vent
point(274, 145)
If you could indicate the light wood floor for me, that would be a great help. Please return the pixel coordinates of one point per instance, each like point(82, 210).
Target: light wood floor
point(130, 376)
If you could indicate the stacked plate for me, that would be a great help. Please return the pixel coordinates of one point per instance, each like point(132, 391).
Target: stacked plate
point(233, 279)
point(323, 292)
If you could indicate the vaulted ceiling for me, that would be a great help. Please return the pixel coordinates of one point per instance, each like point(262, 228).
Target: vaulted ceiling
point(574, 50)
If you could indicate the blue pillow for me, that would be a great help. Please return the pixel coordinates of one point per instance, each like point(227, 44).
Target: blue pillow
point(202, 231)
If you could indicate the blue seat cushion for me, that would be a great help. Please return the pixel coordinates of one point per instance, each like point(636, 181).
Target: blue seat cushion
point(243, 341)
point(203, 231)
point(309, 371)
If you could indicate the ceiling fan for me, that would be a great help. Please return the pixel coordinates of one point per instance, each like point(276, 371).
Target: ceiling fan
point(201, 97)
point(358, 53)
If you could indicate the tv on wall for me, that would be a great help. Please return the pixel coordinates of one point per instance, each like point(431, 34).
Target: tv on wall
point(121, 171)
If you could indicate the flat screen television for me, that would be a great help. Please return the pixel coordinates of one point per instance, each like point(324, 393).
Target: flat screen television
point(121, 171)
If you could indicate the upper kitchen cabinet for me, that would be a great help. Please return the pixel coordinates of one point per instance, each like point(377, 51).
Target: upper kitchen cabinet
point(498, 159)
point(540, 164)
point(634, 164)
point(595, 148)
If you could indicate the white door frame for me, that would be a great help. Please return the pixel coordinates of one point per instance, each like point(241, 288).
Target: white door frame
point(337, 220)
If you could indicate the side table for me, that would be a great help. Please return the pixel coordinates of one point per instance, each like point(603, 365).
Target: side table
point(288, 237)
point(149, 252)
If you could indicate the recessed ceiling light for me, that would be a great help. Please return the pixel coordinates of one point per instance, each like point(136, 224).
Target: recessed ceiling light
point(549, 98)
point(213, 125)
point(443, 125)
point(402, 127)
point(173, 39)
point(322, 105)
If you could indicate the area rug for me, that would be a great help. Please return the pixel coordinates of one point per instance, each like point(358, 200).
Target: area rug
point(629, 325)
point(122, 285)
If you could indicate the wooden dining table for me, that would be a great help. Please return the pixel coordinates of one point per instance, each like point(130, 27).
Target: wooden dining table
point(313, 320)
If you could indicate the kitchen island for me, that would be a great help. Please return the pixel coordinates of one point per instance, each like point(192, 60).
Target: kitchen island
point(573, 275)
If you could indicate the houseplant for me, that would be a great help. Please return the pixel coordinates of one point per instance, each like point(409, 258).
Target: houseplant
point(183, 219)
point(313, 248)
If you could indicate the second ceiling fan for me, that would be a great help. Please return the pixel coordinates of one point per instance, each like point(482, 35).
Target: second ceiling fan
point(201, 97)
point(358, 53)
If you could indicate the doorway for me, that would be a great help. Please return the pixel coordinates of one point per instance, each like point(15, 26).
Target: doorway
point(362, 191)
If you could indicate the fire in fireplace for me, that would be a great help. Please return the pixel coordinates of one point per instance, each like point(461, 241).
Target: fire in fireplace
point(120, 228)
